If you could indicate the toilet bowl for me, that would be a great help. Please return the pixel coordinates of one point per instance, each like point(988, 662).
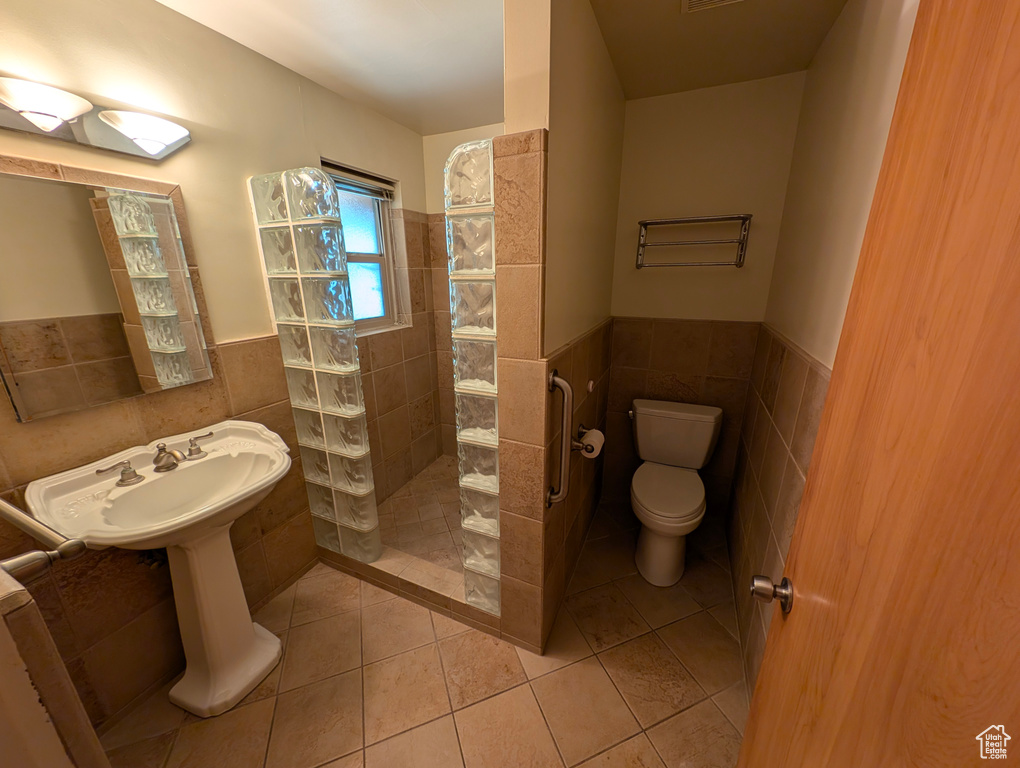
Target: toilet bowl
point(666, 493)
point(670, 503)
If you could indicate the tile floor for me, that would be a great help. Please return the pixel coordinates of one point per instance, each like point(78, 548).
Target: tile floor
point(423, 517)
point(633, 676)
point(420, 528)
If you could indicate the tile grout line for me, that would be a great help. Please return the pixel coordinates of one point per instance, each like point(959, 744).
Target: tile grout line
point(173, 744)
point(643, 728)
point(430, 721)
point(283, 658)
point(269, 736)
point(730, 719)
point(740, 645)
point(655, 749)
point(681, 661)
point(613, 746)
point(548, 728)
point(491, 695)
point(361, 650)
point(406, 730)
point(446, 685)
point(708, 696)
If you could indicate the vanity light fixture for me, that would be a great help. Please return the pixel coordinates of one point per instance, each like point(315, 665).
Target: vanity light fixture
point(44, 106)
point(151, 133)
point(42, 110)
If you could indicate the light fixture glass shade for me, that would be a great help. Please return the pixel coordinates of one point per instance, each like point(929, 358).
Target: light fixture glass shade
point(151, 133)
point(46, 107)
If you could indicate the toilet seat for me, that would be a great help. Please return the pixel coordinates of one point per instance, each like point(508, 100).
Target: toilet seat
point(675, 493)
point(668, 499)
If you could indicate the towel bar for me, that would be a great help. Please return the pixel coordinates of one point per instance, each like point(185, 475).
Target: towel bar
point(740, 242)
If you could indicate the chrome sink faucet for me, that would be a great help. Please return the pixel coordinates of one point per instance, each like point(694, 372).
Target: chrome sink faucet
point(166, 460)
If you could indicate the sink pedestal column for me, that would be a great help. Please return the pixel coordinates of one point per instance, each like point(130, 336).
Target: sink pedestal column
point(227, 653)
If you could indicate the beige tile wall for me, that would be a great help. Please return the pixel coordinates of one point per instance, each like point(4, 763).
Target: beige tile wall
point(65, 364)
point(443, 331)
point(400, 372)
point(692, 361)
point(784, 406)
point(527, 581)
point(111, 612)
point(566, 523)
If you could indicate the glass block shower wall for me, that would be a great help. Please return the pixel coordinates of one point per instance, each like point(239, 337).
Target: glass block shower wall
point(301, 240)
point(470, 223)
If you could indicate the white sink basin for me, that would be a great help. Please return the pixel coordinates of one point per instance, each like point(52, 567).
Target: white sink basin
point(244, 462)
point(188, 510)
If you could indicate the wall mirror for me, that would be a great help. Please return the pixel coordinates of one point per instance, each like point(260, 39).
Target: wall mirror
point(96, 295)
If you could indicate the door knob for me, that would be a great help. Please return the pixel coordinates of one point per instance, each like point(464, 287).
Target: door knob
point(763, 589)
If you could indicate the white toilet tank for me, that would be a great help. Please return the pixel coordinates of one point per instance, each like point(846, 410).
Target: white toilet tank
point(676, 434)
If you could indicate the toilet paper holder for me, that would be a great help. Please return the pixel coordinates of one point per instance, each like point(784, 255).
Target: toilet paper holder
point(577, 445)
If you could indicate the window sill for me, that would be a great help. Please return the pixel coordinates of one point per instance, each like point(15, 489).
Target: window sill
point(362, 333)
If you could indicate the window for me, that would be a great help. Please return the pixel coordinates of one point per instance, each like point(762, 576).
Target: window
point(364, 210)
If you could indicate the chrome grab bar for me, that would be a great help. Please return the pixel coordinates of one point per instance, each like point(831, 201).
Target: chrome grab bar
point(567, 442)
point(28, 524)
point(37, 561)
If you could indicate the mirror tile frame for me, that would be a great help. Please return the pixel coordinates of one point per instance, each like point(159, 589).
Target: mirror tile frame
point(12, 165)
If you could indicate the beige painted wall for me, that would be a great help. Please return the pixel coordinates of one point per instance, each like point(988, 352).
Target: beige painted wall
point(247, 116)
point(52, 259)
point(711, 151)
point(437, 148)
point(526, 53)
point(849, 97)
point(585, 146)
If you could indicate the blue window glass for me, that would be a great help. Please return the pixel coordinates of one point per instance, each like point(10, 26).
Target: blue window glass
point(366, 288)
point(361, 233)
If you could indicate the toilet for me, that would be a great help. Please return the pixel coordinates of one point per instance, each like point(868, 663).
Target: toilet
point(674, 441)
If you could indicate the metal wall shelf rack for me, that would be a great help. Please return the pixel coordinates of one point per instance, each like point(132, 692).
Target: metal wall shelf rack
point(741, 242)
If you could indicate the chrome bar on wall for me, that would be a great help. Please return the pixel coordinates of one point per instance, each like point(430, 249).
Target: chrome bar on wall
point(30, 564)
point(567, 442)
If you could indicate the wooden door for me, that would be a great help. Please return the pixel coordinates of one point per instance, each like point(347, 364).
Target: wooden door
point(904, 640)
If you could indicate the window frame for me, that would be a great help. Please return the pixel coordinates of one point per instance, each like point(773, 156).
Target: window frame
point(350, 181)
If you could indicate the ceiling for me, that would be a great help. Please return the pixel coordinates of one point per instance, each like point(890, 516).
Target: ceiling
point(656, 49)
point(432, 65)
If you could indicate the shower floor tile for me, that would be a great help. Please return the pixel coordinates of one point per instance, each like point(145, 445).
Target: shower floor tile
point(406, 686)
point(422, 519)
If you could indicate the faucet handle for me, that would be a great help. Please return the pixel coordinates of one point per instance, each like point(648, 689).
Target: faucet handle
point(194, 452)
point(128, 476)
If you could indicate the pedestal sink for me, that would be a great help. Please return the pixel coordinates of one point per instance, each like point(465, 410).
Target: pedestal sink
point(188, 510)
